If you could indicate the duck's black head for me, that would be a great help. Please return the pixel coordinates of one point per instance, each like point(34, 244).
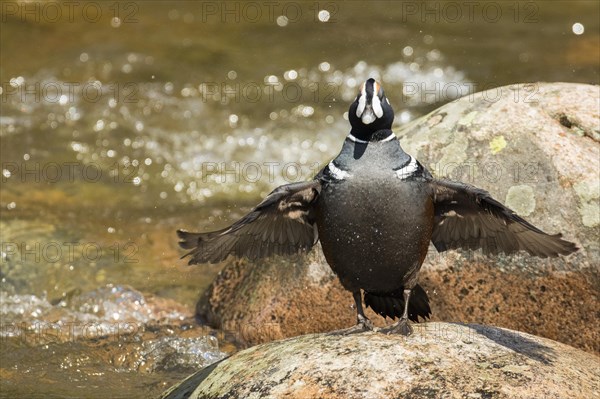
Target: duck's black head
point(371, 111)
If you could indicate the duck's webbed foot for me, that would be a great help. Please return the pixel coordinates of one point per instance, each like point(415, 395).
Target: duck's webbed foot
point(402, 327)
point(362, 322)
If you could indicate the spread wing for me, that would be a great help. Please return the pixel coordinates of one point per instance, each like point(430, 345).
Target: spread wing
point(468, 217)
point(283, 223)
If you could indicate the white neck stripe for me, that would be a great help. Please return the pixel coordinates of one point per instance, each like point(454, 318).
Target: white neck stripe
point(388, 138)
point(407, 171)
point(352, 138)
point(337, 173)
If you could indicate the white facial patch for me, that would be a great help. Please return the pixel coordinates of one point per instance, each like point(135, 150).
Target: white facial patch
point(407, 171)
point(336, 172)
point(362, 101)
point(377, 106)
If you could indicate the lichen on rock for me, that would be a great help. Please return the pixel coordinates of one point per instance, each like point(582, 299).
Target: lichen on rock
point(521, 199)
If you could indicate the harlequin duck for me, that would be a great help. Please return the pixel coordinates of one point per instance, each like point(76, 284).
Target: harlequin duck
point(375, 209)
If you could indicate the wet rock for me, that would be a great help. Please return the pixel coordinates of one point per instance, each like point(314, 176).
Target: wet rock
point(514, 142)
point(439, 360)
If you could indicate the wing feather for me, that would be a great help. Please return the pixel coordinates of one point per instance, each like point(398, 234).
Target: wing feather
point(468, 217)
point(283, 223)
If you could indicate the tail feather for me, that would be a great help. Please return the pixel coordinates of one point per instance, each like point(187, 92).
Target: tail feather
point(188, 240)
point(392, 304)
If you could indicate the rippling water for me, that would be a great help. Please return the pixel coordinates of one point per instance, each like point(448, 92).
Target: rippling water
point(121, 126)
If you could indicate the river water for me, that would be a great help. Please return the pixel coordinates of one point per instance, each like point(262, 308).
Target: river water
point(123, 121)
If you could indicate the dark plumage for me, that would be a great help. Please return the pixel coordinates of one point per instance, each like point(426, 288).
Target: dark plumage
point(375, 210)
point(282, 224)
point(392, 304)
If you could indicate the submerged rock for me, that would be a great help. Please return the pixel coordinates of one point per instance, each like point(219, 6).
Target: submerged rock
point(534, 147)
point(439, 360)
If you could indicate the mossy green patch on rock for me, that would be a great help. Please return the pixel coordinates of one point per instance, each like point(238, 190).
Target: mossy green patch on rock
point(468, 119)
point(590, 214)
point(497, 144)
point(456, 152)
point(589, 195)
point(521, 199)
point(588, 190)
